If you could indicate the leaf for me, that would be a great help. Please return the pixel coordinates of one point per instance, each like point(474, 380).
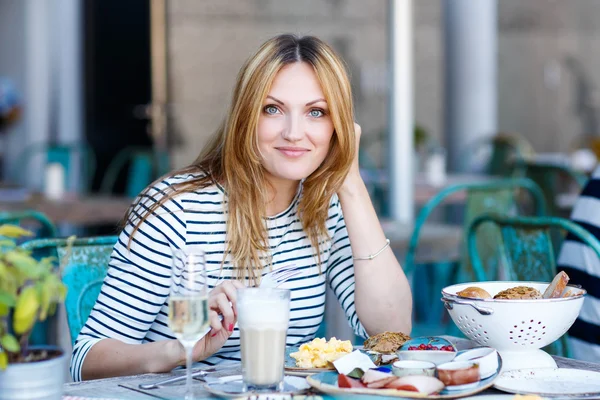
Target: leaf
point(46, 290)
point(3, 360)
point(14, 231)
point(7, 243)
point(7, 298)
point(26, 310)
point(24, 263)
point(10, 343)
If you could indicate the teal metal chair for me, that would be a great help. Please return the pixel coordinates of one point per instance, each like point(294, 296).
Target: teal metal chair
point(501, 196)
point(551, 178)
point(83, 274)
point(503, 149)
point(39, 220)
point(526, 250)
point(145, 166)
point(63, 154)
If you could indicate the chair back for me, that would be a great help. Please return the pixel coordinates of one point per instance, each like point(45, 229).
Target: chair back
point(47, 228)
point(500, 195)
point(506, 148)
point(145, 166)
point(552, 178)
point(526, 250)
point(63, 154)
point(83, 274)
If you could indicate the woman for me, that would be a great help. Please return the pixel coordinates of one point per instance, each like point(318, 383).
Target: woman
point(278, 184)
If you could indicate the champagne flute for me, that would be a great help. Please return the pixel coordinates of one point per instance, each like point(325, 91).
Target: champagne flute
point(188, 304)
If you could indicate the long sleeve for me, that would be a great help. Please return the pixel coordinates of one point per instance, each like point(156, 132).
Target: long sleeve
point(137, 282)
point(340, 268)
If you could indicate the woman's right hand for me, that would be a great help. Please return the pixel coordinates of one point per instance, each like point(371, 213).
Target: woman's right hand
point(222, 300)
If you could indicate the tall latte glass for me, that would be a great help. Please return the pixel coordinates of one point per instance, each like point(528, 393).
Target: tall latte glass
point(263, 319)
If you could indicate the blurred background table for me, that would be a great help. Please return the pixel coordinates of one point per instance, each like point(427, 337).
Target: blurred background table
point(80, 210)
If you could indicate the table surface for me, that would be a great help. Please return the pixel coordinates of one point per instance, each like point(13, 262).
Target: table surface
point(127, 387)
point(100, 209)
point(77, 210)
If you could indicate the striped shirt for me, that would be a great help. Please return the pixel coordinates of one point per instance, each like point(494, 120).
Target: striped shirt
point(132, 305)
point(582, 265)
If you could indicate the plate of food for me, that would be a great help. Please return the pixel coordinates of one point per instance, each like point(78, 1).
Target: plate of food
point(320, 354)
point(315, 356)
point(454, 379)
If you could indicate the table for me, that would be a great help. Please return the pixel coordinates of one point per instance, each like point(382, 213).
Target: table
point(115, 387)
point(76, 210)
point(423, 189)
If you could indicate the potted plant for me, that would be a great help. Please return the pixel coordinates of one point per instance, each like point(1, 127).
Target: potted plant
point(30, 290)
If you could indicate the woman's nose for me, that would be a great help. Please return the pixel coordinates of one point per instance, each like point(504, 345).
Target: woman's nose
point(294, 129)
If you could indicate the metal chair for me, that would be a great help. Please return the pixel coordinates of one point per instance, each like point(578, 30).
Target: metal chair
point(526, 250)
point(503, 149)
point(63, 154)
point(502, 196)
point(145, 165)
point(552, 178)
point(83, 274)
point(47, 228)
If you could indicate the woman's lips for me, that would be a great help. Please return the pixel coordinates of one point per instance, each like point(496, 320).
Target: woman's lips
point(292, 152)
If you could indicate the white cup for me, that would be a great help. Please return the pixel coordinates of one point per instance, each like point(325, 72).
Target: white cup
point(54, 181)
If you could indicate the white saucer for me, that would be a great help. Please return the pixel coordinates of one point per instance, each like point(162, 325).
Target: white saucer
point(550, 382)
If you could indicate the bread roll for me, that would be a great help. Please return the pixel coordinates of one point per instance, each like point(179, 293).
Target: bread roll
point(474, 292)
point(519, 293)
point(557, 286)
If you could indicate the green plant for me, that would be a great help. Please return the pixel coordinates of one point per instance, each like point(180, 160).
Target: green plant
point(30, 290)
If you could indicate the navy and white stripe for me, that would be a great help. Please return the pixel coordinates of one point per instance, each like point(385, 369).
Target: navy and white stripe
point(583, 267)
point(132, 305)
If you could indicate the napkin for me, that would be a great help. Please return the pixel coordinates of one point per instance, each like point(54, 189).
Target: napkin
point(356, 359)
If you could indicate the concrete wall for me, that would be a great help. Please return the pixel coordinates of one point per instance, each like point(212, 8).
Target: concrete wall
point(209, 39)
point(12, 65)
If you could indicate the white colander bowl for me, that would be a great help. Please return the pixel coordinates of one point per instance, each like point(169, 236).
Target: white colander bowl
point(518, 329)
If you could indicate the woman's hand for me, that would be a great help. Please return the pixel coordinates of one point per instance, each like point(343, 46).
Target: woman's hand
point(353, 176)
point(222, 300)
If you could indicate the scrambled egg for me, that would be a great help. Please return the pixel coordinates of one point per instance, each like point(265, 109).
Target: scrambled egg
point(320, 353)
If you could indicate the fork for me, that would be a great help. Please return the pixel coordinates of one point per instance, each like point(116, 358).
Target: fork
point(272, 279)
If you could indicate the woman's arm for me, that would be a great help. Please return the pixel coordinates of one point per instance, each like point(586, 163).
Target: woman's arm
point(382, 295)
point(112, 357)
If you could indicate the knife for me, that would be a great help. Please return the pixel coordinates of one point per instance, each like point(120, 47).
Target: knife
point(201, 373)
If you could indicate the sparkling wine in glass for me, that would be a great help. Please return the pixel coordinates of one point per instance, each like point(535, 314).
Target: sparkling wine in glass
point(188, 304)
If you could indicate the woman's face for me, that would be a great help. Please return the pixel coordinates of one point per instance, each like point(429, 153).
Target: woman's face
point(294, 128)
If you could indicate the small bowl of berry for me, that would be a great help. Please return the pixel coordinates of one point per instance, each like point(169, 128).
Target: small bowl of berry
point(429, 348)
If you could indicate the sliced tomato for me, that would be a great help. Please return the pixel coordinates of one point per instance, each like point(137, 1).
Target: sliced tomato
point(349, 383)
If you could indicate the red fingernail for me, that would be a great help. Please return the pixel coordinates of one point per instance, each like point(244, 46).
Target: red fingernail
point(230, 327)
point(214, 334)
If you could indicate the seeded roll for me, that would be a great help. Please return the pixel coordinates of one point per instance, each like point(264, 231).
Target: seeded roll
point(519, 293)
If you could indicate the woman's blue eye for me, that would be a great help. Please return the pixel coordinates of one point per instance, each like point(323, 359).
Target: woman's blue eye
point(271, 110)
point(316, 113)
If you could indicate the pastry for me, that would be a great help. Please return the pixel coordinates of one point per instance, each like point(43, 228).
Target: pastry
point(386, 342)
point(556, 288)
point(519, 293)
point(474, 292)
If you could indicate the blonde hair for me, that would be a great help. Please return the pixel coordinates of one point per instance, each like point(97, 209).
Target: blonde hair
point(232, 157)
